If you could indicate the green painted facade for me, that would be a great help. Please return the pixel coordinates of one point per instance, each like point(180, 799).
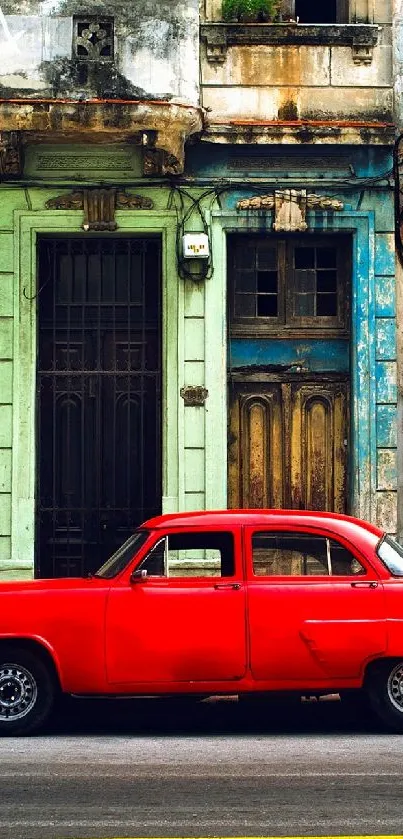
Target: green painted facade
point(193, 349)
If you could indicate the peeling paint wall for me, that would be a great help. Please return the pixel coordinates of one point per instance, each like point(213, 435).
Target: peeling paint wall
point(155, 51)
point(313, 83)
point(397, 6)
point(386, 392)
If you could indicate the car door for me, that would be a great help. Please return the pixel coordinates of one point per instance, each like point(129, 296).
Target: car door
point(180, 617)
point(316, 607)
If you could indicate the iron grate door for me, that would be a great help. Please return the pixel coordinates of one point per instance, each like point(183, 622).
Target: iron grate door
point(98, 398)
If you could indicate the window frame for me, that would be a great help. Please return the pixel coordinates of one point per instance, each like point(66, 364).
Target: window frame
point(286, 323)
point(287, 579)
point(289, 9)
point(190, 578)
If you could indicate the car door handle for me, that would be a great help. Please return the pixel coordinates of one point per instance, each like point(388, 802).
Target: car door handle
point(235, 586)
point(372, 584)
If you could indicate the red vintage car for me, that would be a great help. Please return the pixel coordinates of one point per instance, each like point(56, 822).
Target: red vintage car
point(240, 601)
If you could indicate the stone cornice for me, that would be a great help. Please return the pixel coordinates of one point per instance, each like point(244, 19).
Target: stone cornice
point(303, 132)
point(359, 36)
point(161, 128)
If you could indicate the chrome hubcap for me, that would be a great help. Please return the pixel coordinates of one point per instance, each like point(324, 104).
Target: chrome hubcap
point(18, 692)
point(395, 687)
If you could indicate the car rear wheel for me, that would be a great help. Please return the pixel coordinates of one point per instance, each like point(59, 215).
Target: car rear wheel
point(27, 691)
point(385, 690)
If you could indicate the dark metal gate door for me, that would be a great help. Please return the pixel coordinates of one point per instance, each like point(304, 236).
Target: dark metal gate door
point(98, 396)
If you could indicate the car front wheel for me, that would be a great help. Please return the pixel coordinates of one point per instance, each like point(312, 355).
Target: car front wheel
point(27, 691)
point(385, 690)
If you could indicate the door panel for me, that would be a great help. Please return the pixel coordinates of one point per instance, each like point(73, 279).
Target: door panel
point(305, 628)
point(174, 631)
point(302, 630)
point(318, 474)
point(185, 621)
point(256, 472)
point(287, 445)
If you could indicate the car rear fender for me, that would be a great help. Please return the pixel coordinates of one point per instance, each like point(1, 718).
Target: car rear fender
point(38, 646)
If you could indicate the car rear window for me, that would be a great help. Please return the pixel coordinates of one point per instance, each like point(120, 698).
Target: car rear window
point(301, 555)
point(391, 554)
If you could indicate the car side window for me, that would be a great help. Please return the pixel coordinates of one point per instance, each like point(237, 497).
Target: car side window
point(301, 555)
point(208, 554)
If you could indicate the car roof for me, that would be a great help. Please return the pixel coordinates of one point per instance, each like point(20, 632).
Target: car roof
point(216, 518)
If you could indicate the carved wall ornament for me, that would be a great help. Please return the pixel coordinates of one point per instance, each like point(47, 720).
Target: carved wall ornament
point(93, 38)
point(194, 395)
point(100, 162)
point(99, 205)
point(158, 161)
point(290, 207)
point(11, 160)
point(362, 53)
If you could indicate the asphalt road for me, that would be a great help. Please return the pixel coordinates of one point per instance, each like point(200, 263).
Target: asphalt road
point(218, 769)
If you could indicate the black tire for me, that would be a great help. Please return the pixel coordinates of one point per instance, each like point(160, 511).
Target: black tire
point(385, 691)
point(27, 691)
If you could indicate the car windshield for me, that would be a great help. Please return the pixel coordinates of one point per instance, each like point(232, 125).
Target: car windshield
point(118, 561)
point(391, 555)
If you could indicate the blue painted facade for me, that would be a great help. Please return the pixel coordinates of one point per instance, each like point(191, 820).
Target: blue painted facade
point(313, 356)
point(360, 179)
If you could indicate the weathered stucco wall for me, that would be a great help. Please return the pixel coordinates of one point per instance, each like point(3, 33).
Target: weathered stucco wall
point(155, 51)
point(292, 72)
point(298, 82)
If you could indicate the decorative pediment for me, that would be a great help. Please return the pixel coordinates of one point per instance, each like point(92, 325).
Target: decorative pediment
point(99, 205)
point(290, 207)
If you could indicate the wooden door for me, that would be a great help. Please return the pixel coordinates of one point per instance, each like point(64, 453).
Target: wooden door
point(288, 445)
point(289, 371)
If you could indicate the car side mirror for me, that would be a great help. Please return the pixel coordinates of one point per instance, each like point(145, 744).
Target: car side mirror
point(139, 576)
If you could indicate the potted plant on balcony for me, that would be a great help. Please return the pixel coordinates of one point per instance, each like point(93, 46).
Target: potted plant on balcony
point(250, 11)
